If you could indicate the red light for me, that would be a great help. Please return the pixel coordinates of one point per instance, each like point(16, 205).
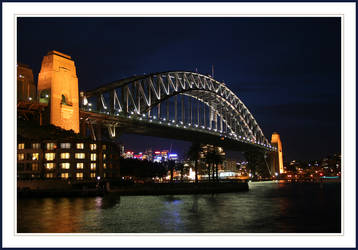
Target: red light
point(321, 174)
point(157, 152)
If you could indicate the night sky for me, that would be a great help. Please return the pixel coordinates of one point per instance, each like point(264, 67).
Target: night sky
point(287, 71)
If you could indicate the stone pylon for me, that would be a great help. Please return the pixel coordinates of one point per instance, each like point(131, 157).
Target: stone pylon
point(58, 87)
point(277, 160)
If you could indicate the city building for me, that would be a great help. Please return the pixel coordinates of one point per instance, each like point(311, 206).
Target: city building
point(66, 159)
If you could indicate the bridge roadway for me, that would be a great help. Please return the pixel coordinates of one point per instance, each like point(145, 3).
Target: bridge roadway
point(162, 128)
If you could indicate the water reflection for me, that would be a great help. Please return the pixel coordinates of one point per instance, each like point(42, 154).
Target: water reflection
point(266, 208)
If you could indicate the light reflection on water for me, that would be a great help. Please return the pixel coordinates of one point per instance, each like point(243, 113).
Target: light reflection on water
point(265, 208)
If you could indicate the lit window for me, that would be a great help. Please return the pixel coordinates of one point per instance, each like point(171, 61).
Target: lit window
point(35, 156)
point(64, 175)
point(65, 155)
point(35, 145)
point(20, 157)
point(65, 165)
point(80, 155)
point(79, 176)
point(50, 146)
point(104, 156)
point(49, 175)
point(21, 146)
point(79, 146)
point(93, 175)
point(35, 166)
point(49, 165)
point(93, 146)
point(93, 166)
point(93, 157)
point(80, 165)
point(104, 165)
point(65, 145)
point(50, 156)
point(104, 147)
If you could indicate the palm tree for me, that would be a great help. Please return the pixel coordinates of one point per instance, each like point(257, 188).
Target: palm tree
point(171, 166)
point(209, 158)
point(194, 155)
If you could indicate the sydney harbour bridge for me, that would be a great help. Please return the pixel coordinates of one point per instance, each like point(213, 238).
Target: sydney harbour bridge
point(176, 104)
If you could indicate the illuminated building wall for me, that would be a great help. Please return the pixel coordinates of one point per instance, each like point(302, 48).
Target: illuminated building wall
point(276, 142)
point(66, 159)
point(26, 88)
point(58, 87)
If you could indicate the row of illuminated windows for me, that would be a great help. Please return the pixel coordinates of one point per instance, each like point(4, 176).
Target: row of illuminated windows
point(79, 176)
point(52, 156)
point(52, 146)
point(66, 165)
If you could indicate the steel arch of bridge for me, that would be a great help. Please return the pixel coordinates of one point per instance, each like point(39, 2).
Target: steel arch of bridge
point(138, 96)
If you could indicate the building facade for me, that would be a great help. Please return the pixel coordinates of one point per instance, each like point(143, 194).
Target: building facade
point(66, 159)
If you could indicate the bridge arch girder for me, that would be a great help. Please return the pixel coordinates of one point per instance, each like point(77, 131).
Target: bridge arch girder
point(140, 94)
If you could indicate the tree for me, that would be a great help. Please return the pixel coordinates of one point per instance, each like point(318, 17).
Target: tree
point(209, 159)
point(194, 155)
point(180, 166)
point(171, 166)
point(218, 159)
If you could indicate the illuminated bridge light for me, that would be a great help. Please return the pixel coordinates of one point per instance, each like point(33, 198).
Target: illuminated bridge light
point(132, 113)
point(150, 120)
point(164, 119)
point(143, 115)
point(173, 121)
point(154, 117)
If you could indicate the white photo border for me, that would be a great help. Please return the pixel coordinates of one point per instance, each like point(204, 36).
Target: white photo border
point(344, 10)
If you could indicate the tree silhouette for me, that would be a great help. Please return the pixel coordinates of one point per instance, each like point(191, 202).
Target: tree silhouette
point(194, 155)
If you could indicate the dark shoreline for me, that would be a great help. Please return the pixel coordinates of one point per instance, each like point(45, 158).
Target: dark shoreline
point(147, 189)
point(139, 189)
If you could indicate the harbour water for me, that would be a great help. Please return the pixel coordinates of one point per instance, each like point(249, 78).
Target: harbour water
point(268, 207)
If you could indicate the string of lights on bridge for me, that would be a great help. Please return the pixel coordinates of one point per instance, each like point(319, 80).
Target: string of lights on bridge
point(180, 124)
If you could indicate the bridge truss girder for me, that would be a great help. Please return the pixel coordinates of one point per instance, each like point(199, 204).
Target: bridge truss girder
point(196, 100)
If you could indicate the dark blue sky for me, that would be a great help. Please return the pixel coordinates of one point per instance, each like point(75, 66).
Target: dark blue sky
point(287, 71)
